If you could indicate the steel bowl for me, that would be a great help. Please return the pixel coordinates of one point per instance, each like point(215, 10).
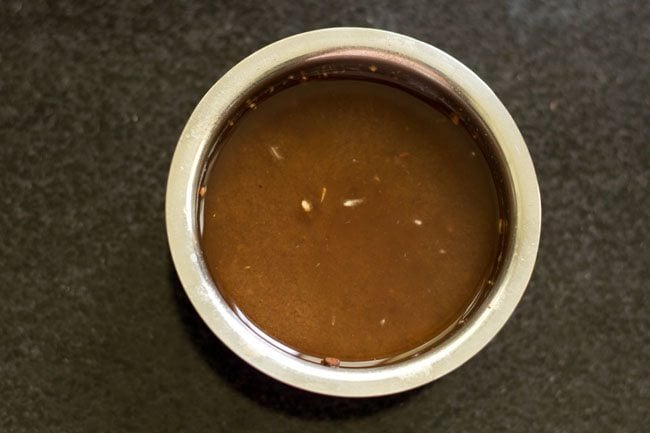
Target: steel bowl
point(198, 141)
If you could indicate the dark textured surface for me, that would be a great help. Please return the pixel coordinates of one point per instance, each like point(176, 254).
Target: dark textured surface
point(96, 333)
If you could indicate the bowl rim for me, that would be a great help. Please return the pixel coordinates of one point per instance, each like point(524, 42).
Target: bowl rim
point(186, 170)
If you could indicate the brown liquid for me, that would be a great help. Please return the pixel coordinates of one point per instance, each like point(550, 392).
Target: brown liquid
point(350, 219)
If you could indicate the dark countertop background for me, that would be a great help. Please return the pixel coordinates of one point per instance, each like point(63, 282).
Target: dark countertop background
point(96, 334)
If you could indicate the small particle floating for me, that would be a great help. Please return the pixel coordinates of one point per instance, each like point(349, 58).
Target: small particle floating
point(352, 202)
point(275, 151)
point(330, 361)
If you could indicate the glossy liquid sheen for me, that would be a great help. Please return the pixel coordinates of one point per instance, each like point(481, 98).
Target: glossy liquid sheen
point(350, 219)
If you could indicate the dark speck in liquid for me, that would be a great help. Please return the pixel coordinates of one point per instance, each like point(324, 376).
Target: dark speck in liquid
point(350, 220)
